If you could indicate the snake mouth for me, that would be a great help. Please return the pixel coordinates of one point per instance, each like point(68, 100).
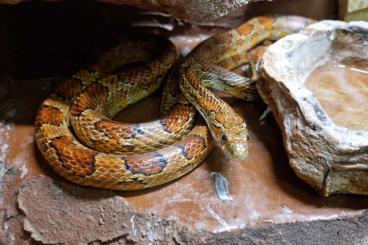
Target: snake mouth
point(236, 150)
point(240, 151)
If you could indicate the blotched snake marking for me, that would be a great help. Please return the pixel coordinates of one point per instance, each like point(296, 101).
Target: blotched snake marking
point(76, 135)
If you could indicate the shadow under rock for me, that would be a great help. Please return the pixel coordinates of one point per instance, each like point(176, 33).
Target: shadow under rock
point(47, 39)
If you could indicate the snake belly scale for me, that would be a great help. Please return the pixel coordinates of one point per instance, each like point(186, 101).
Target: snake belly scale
point(77, 137)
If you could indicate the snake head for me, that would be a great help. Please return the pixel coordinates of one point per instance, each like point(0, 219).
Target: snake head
point(234, 147)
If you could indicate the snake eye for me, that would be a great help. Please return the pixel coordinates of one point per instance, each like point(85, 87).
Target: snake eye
point(224, 138)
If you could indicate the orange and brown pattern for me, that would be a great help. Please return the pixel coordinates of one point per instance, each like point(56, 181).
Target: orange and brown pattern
point(148, 164)
point(91, 98)
point(228, 50)
point(49, 115)
point(191, 146)
point(126, 156)
point(81, 161)
point(173, 121)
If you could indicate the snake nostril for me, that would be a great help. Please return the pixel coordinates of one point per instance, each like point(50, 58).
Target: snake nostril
point(224, 137)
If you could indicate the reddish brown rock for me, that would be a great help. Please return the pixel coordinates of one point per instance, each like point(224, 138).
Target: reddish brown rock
point(189, 10)
point(203, 11)
point(192, 10)
point(58, 213)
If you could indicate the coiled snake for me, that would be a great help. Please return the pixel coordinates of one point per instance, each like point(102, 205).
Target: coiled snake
point(77, 137)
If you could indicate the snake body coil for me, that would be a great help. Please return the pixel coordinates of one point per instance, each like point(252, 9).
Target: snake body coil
point(124, 156)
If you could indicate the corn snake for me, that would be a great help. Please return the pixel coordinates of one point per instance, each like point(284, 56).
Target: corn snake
point(139, 156)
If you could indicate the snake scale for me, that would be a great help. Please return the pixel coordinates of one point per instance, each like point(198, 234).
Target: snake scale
point(77, 137)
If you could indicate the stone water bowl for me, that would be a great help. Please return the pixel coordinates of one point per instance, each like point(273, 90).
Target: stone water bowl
point(316, 85)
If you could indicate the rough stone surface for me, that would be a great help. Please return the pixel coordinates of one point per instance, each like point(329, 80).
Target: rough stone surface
point(68, 214)
point(331, 155)
point(350, 10)
point(192, 10)
point(204, 11)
